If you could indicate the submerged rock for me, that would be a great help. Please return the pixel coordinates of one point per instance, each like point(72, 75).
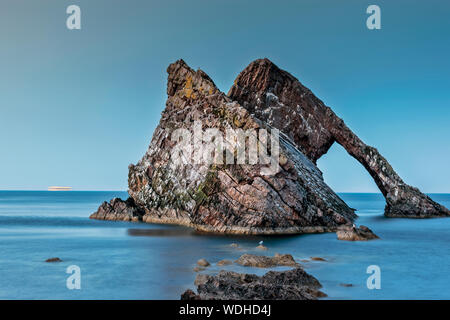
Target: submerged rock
point(293, 284)
point(203, 263)
point(352, 233)
point(279, 99)
point(199, 269)
point(225, 198)
point(347, 285)
point(317, 259)
point(251, 260)
point(224, 262)
point(56, 259)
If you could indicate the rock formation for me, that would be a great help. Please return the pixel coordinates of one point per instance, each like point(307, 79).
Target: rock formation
point(352, 233)
point(241, 198)
point(251, 260)
point(279, 99)
point(293, 284)
point(226, 198)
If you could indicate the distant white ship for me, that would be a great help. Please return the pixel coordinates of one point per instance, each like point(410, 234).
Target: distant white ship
point(59, 188)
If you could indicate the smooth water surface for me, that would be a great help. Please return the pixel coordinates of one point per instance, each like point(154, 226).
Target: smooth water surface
point(121, 260)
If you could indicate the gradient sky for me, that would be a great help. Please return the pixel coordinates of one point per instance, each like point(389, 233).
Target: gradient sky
point(78, 106)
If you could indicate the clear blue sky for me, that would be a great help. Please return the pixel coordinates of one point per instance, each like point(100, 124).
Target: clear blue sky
point(76, 107)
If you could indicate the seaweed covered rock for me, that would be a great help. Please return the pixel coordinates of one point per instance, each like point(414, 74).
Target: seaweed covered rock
point(279, 99)
point(293, 284)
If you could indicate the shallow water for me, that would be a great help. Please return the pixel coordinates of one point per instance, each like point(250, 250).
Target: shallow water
point(121, 260)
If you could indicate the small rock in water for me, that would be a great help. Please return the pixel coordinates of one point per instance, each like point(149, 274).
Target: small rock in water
point(346, 285)
point(317, 259)
point(203, 263)
point(56, 259)
point(261, 247)
point(251, 260)
point(234, 245)
point(224, 262)
point(353, 233)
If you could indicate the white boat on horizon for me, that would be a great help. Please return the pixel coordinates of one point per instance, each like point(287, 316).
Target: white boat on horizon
point(59, 188)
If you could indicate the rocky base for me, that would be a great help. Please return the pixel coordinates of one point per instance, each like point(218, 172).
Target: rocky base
point(293, 284)
point(119, 210)
point(353, 233)
point(409, 202)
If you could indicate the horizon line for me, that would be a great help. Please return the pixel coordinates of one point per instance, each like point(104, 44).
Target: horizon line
point(87, 190)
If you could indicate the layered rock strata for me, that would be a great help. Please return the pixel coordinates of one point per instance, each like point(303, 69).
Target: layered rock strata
point(226, 198)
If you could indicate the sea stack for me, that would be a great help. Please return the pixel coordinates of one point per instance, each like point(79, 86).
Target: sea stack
point(243, 198)
point(225, 198)
point(277, 98)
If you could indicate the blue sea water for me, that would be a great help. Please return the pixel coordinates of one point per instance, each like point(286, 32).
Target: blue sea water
point(121, 260)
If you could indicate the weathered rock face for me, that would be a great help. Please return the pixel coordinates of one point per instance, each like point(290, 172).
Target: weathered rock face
point(276, 97)
point(226, 198)
point(293, 284)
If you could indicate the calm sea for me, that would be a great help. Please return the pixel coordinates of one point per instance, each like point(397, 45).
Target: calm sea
point(120, 260)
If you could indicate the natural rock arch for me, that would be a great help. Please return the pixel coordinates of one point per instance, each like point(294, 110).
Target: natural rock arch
point(278, 98)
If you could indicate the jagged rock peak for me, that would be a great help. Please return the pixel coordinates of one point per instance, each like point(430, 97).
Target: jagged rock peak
point(181, 78)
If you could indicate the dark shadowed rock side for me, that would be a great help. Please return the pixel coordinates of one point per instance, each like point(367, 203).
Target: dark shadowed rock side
point(117, 209)
point(293, 284)
point(279, 99)
point(224, 198)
